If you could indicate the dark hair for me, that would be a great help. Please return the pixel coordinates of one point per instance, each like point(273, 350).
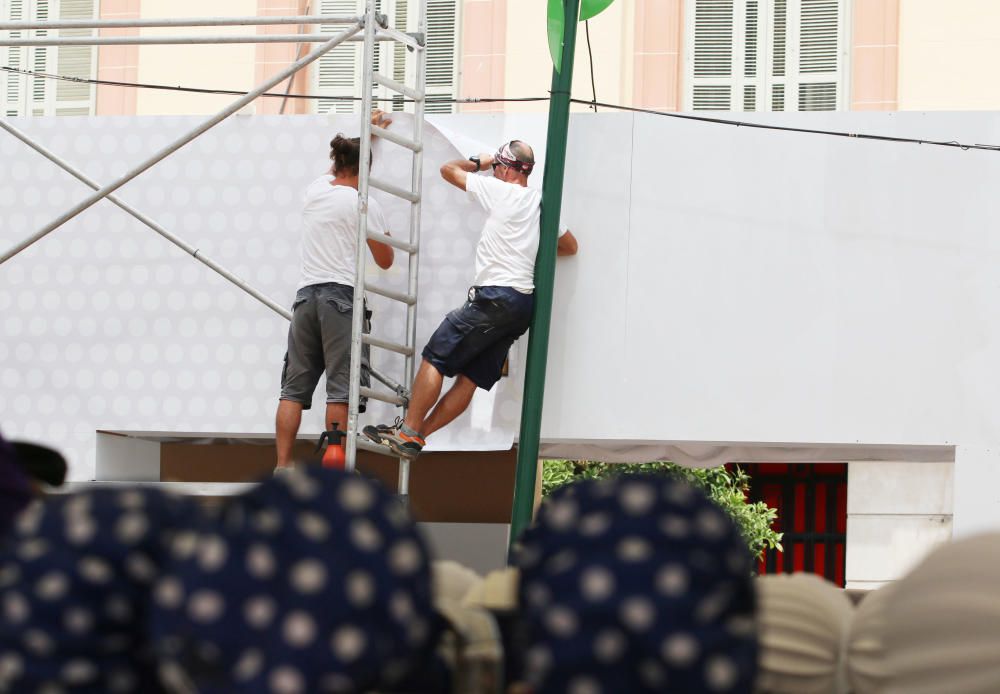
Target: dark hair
point(344, 153)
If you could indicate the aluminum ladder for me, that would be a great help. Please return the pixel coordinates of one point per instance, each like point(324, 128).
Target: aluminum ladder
point(377, 24)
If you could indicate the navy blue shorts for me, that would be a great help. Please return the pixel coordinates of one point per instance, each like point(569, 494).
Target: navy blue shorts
point(474, 340)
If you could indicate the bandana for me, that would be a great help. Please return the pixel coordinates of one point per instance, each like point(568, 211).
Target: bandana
point(635, 584)
point(505, 155)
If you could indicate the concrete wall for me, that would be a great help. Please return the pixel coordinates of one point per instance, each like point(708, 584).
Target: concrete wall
point(896, 513)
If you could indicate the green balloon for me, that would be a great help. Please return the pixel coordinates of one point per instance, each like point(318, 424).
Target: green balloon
point(592, 8)
point(556, 23)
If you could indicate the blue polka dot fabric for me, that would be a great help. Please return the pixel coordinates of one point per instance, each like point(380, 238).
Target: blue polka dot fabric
point(316, 581)
point(75, 580)
point(636, 583)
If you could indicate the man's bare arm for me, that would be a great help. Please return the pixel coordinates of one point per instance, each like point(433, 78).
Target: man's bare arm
point(567, 244)
point(382, 253)
point(456, 171)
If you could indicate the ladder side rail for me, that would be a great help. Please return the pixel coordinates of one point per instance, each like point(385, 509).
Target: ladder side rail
point(357, 317)
point(403, 484)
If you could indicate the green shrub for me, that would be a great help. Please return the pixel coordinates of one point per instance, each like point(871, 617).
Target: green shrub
point(727, 488)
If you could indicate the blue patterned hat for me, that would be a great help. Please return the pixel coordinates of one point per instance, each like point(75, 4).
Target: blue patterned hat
point(15, 492)
point(317, 580)
point(75, 579)
point(636, 583)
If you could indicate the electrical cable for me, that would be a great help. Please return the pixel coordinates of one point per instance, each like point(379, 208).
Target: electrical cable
point(485, 100)
point(590, 55)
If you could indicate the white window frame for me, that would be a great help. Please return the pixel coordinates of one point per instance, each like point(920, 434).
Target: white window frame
point(388, 53)
point(765, 81)
point(49, 105)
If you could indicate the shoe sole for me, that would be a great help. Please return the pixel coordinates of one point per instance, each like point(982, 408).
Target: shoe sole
point(400, 450)
point(371, 433)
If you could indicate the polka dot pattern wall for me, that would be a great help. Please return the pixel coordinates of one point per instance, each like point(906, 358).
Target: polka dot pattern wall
point(107, 325)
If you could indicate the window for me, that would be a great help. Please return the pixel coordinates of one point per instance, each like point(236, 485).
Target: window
point(36, 96)
point(339, 71)
point(765, 55)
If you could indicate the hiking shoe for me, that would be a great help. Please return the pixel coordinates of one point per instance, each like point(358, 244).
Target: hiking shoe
point(403, 445)
point(375, 432)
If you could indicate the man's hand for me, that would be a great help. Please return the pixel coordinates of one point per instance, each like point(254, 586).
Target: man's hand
point(567, 244)
point(485, 161)
point(380, 118)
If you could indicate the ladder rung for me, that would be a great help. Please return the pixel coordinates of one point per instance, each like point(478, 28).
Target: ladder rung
point(393, 190)
point(365, 445)
point(392, 241)
point(384, 397)
point(402, 37)
point(399, 88)
point(385, 344)
point(397, 138)
point(407, 299)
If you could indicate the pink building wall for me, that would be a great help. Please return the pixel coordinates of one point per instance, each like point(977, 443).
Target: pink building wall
point(875, 55)
point(117, 63)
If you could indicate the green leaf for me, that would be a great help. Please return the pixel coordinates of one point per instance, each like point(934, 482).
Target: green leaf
point(556, 26)
point(592, 8)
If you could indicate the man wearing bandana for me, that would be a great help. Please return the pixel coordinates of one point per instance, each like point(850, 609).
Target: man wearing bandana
point(472, 341)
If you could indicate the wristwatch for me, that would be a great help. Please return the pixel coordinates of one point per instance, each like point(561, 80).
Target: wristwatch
point(475, 160)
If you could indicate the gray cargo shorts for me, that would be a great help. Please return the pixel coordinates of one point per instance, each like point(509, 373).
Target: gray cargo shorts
point(319, 339)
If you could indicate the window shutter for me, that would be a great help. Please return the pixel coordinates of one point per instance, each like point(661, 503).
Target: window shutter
point(75, 98)
point(14, 84)
point(713, 55)
point(748, 55)
point(38, 96)
point(339, 71)
point(819, 55)
point(442, 24)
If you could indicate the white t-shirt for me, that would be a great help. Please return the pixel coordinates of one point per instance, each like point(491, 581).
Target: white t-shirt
point(505, 256)
point(330, 232)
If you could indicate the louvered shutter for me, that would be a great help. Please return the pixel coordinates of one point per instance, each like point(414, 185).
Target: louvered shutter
point(38, 96)
point(339, 71)
point(14, 85)
point(442, 66)
point(747, 55)
point(75, 98)
point(727, 55)
point(819, 54)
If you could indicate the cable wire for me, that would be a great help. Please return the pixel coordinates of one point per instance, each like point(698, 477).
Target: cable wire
point(486, 100)
point(590, 55)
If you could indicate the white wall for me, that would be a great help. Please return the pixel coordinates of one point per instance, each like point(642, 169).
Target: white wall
point(733, 286)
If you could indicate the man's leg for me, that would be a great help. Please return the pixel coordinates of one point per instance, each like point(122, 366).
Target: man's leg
point(336, 413)
point(454, 403)
point(425, 392)
point(286, 426)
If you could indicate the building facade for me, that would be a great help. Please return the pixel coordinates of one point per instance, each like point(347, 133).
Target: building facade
point(731, 55)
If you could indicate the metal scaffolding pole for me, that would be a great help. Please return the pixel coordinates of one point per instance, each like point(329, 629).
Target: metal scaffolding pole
point(357, 316)
point(181, 22)
point(188, 248)
point(174, 146)
point(179, 40)
point(416, 185)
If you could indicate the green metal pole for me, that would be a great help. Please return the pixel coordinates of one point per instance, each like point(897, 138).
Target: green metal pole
point(545, 267)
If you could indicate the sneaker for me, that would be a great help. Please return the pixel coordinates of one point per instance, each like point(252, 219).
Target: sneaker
point(403, 445)
point(375, 432)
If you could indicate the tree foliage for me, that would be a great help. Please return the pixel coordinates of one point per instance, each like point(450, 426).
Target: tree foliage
point(727, 488)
